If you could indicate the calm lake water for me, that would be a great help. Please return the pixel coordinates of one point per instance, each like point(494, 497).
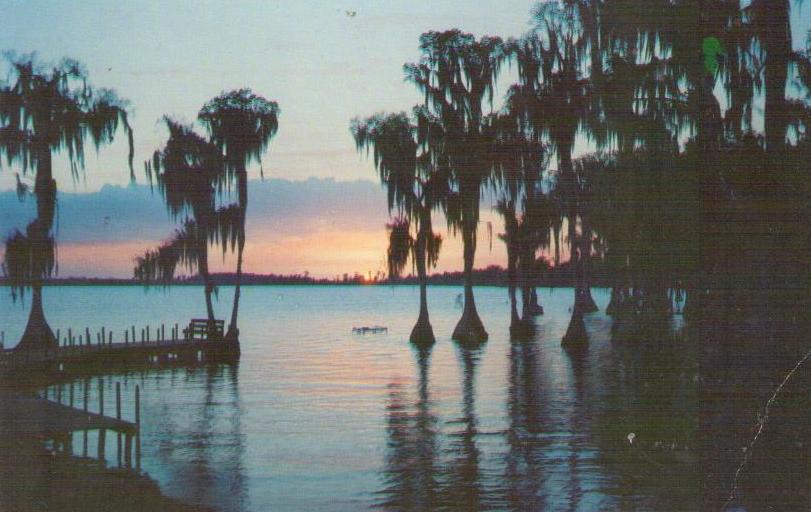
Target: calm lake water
point(316, 418)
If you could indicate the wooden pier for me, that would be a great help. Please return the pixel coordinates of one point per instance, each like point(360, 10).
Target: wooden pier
point(37, 417)
point(34, 416)
point(77, 351)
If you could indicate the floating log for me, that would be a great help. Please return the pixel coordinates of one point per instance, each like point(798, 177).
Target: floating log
point(375, 329)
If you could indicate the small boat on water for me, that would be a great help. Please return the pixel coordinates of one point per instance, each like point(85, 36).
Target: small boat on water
point(374, 329)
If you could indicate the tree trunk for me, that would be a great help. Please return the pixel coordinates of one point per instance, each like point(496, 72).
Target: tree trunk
point(38, 334)
point(208, 286)
point(586, 302)
point(511, 228)
point(615, 303)
point(570, 209)
point(242, 183)
point(529, 300)
point(423, 333)
point(576, 336)
point(470, 328)
point(515, 319)
point(777, 41)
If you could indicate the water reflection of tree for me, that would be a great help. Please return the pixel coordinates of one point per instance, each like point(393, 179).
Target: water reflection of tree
point(411, 476)
point(420, 474)
point(649, 389)
point(580, 416)
point(523, 472)
point(464, 487)
point(211, 445)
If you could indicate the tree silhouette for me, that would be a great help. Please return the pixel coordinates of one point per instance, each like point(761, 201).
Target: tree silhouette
point(519, 160)
point(241, 124)
point(189, 172)
point(554, 98)
point(456, 75)
point(42, 112)
point(417, 185)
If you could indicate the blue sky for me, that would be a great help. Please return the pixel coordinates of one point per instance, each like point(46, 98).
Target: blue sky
point(322, 65)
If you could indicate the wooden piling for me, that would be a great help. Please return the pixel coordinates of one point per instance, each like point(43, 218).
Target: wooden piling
point(86, 395)
point(103, 334)
point(101, 397)
point(71, 394)
point(128, 450)
point(118, 400)
point(163, 333)
point(110, 337)
point(147, 333)
point(133, 334)
point(87, 332)
point(102, 445)
point(126, 336)
point(138, 405)
point(138, 451)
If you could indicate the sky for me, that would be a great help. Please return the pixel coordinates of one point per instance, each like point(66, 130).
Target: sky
point(323, 66)
point(324, 62)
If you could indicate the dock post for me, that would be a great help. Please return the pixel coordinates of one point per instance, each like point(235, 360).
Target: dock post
point(101, 397)
point(137, 406)
point(110, 337)
point(128, 450)
point(58, 339)
point(133, 334)
point(84, 443)
point(118, 417)
point(102, 445)
point(126, 336)
point(71, 394)
point(137, 427)
point(138, 451)
point(102, 431)
point(103, 335)
point(147, 333)
point(87, 332)
point(70, 337)
point(118, 400)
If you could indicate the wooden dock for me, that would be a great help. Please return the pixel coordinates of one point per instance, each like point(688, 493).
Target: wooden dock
point(33, 416)
point(30, 415)
point(79, 351)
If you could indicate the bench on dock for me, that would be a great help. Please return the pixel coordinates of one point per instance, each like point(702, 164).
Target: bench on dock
point(201, 329)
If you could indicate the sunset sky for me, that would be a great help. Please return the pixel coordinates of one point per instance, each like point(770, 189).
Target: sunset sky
point(324, 62)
